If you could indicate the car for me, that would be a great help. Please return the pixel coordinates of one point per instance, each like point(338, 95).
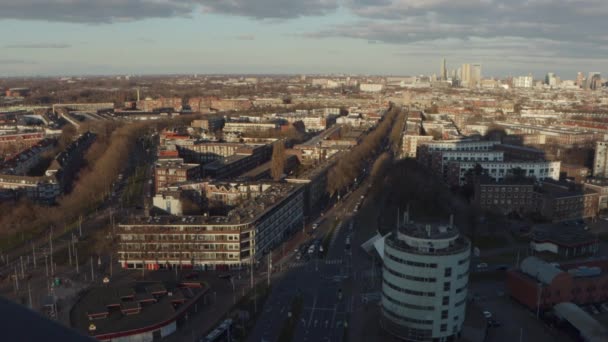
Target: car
point(298, 256)
point(481, 265)
point(494, 323)
point(311, 250)
point(487, 314)
point(321, 249)
point(315, 226)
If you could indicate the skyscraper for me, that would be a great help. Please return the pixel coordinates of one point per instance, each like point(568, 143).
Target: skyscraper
point(593, 81)
point(580, 79)
point(471, 75)
point(444, 71)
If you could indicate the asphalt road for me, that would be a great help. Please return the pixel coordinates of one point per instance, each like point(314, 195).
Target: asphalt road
point(319, 281)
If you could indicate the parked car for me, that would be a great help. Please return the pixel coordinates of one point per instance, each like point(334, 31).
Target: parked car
point(487, 314)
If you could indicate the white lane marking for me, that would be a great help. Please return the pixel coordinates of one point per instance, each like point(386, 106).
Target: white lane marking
point(312, 312)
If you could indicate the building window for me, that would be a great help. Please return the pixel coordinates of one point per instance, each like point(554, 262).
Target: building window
point(444, 314)
point(446, 286)
point(446, 300)
point(448, 272)
point(444, 327)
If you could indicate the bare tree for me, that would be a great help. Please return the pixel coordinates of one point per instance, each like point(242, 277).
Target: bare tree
point(278, 160)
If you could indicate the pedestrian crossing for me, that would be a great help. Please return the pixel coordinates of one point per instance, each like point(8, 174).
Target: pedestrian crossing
point(297, 264)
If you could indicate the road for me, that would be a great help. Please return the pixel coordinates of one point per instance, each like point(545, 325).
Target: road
point(319, 281)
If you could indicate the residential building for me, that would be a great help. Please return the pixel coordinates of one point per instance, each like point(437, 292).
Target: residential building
point(150, 105)
point(169, 172)
point(424, 282)
point(41, 189)
point(210, 124)
point(214, 242)
point(210, 151)
point(249, 127)
point(600, 160)
point(599, 186)
point(576, 173)
point(371, 87)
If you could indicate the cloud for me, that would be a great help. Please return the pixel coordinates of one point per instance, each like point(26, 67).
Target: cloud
point(94, 11)
point(245, 37)
point(38, 46)
point(109, 11)
point(270, 9)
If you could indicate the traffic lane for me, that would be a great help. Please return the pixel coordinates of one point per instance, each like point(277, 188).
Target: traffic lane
point(320, 317)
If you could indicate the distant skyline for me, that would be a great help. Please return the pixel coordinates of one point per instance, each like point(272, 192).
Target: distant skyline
point(398, 37)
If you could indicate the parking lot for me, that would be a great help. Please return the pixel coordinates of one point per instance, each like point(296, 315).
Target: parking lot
point(517, 323)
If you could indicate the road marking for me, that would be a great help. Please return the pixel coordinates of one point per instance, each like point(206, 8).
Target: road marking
point(333, 317)
point(312, 312)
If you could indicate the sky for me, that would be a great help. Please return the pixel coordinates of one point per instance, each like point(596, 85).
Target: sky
point(386, 37)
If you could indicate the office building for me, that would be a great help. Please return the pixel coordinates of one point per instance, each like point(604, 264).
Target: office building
point(523, 81)
point(444, 71)
point(424, 282)
point(471, 75)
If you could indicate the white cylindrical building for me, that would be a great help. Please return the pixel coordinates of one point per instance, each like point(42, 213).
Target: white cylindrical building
point(425, 278)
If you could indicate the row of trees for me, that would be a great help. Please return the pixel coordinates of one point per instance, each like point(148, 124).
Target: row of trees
point(349, 167)
point(105, 159)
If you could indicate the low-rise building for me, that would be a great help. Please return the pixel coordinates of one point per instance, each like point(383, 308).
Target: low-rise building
point(567, 241)
point(145, 311)
point(169, 172)
point(540, 285)
point(210, 123)
point(599, 186)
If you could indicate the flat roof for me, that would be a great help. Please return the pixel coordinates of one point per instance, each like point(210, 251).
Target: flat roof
point(247, 212)
point(563, 235)
point(149, 313)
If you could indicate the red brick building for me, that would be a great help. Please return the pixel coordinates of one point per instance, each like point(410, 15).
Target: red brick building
point(173, 171)
point(538, 283)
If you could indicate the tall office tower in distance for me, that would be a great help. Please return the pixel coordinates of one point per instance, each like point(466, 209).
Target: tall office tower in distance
point(580, 79)
point(475, 75)
point(465, 75)
point(444, 71)
point(471, 75)
point(425, 278)
point(593, 81)
point(600, 160)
